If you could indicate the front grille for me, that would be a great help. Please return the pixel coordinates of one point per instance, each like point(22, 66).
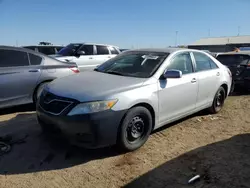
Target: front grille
point(55, 104)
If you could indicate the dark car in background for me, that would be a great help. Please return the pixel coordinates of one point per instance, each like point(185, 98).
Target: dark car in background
point(24, 73)
point(239, 64)
point(45, 49)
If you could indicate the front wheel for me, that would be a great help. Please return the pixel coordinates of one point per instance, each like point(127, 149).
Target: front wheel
point(135, 129)
point(218, 101)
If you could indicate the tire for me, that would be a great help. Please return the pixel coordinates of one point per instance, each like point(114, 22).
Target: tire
point(38, 91)
point(218, 101)
point(135, 129)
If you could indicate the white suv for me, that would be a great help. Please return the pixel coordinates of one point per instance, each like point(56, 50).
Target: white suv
point(87, 56)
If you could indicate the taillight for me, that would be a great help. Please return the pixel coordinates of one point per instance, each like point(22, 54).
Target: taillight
point(74, 69)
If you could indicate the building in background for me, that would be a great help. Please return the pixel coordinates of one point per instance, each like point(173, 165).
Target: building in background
point(221, 44)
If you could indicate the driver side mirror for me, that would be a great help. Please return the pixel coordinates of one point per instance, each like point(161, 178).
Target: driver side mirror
point(171, 73)
point(80, 53)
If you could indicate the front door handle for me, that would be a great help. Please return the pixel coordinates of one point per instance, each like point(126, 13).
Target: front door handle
point(91, 58)
point(193, 80)
point(34, 70)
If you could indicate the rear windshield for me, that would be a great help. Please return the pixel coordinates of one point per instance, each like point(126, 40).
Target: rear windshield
point(230, 59)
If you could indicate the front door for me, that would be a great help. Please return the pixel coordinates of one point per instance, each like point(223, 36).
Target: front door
point(87, 61)
point(177, 96)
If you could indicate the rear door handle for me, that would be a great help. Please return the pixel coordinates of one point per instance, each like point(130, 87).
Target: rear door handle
point(109, 57)
point(193, 80)
point(91, 58)
point(34, 70)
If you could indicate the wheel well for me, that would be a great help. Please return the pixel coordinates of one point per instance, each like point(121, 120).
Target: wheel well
point(225, 87)
point(38, 86)
point(151, 110)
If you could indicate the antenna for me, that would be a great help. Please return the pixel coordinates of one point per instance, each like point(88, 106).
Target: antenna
point(176, 35)
point(238, 30)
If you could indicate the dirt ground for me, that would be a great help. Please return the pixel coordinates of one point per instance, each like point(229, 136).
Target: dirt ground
point(216, 147)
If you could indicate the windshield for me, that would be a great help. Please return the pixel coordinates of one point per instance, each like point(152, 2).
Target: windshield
point(69, 50)
point(135, 64)
point(230, 60)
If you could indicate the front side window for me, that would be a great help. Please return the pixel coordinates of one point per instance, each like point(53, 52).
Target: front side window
point(134, 64)
point(182, 62)
point(203, 62)
point(88, 49)
point(102, 50)
point(69, 50)
point(13, 58)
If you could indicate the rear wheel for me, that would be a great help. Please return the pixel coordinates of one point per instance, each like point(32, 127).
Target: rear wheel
point(135, 129)
point(218, 101)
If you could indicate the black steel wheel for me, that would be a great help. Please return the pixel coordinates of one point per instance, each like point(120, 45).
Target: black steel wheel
point(135, 129)
point(218, 101)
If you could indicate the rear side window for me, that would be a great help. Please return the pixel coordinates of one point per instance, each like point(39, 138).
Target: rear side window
point(102, 50)
point(47, 50)
point(233, 59)
point(113, 50)
point(34, 59)
point(88, 49)
point(13, 58)
point(203, 62)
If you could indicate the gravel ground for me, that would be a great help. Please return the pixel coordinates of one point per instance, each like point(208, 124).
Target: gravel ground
point(216, 147)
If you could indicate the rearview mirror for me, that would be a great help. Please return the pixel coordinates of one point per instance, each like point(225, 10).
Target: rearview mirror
point(172, 73)
point(80, 53)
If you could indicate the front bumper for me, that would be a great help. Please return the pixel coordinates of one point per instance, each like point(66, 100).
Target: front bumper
point(88, 130)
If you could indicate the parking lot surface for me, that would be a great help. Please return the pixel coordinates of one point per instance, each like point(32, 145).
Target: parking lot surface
point(216, 147)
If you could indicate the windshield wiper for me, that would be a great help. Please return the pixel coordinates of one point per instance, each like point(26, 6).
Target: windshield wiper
point(115, 73)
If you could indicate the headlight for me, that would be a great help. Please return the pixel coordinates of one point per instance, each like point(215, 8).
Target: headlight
point(91, 107)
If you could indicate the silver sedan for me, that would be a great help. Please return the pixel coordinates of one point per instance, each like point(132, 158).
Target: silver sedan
point(123, 100)
point(24, 73)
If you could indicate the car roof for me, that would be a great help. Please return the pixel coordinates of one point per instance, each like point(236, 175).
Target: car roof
point(44, 46)
point(236, 53)
point(22, 49)
point(165, 50)
point(89, 43)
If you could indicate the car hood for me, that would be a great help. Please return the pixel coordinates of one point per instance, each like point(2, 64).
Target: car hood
point(92, 85)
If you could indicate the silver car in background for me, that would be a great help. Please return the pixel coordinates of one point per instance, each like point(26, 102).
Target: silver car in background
point(126, 98)
point(24, 73)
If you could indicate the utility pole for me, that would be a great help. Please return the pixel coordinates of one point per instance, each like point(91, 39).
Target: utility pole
point(176, 35)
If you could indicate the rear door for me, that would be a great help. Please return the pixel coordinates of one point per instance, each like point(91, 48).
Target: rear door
point(17, 78)
point(208, 78)
point(237, 63)
point(102, 54)
point(113, 52)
